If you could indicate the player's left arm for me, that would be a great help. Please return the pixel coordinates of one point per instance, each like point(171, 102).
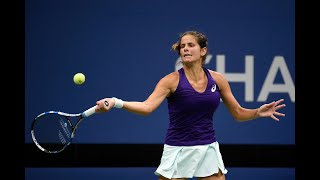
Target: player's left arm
point(244, 114)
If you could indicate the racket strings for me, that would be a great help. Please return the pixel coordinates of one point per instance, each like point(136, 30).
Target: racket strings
point(52, 132)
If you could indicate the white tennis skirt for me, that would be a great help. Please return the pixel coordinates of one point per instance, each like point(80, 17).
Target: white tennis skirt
point(190, 161)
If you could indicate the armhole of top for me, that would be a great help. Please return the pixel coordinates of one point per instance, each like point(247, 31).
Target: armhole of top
point(209, 74)
point(179, 81)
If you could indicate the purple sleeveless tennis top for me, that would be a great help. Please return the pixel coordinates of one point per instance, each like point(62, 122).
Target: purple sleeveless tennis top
point(191, 113)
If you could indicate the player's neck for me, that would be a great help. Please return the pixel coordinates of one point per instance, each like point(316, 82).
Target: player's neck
point(194, 73)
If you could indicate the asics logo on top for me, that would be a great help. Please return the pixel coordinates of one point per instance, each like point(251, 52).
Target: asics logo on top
point(213, 89)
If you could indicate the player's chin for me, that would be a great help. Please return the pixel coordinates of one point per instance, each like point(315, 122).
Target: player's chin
point(188, 59)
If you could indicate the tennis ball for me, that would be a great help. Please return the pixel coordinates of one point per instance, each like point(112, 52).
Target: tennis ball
point(79, 78)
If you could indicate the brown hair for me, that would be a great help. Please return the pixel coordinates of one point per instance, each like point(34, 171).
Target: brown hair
point(201, 40)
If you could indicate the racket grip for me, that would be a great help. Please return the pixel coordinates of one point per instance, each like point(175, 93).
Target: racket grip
point(89, 112)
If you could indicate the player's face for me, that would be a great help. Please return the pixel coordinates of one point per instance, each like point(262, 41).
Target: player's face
point(190, 50)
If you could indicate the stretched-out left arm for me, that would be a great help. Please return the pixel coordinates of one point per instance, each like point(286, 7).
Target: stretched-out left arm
point(244, 114)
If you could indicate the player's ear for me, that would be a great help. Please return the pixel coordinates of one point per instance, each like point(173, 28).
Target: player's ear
point(203, 51)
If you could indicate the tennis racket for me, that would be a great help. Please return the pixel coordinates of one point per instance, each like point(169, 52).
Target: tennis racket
point(53, 131)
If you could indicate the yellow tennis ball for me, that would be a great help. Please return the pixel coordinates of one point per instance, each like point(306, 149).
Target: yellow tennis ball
point(79, 78)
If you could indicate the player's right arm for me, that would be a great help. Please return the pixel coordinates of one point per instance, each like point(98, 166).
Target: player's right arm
point(163, 89)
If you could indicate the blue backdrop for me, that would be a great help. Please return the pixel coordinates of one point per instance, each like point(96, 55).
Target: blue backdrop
point(123, 48)
point(147, 173)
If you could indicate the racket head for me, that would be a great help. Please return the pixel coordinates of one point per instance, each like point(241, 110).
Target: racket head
point(52, 131)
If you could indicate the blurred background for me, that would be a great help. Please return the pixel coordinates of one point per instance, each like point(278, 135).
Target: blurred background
point(124, 48)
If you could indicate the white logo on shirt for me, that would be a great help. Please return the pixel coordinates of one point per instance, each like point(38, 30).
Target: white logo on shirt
point(214, 87)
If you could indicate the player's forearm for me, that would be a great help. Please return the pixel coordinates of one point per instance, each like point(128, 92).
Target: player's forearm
point(243, 114)
point(140, 108)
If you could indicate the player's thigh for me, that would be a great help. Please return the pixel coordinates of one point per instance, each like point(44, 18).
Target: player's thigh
point(218, 176)
point(163, 178)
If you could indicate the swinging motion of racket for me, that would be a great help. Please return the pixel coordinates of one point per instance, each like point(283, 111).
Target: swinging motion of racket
point(52, 131)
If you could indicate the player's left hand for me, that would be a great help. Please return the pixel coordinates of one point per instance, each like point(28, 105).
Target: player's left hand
point(271, 109)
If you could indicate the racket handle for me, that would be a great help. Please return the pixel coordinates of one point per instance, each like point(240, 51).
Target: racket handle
point(89, 112)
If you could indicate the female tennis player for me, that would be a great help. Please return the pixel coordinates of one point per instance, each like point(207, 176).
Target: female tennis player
point(193, 94)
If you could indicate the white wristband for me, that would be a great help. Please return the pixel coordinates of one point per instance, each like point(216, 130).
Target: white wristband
point(118, 103)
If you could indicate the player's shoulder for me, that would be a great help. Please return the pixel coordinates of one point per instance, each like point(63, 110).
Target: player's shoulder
point(170, 80)
point(217, 75)
point(171, 77)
